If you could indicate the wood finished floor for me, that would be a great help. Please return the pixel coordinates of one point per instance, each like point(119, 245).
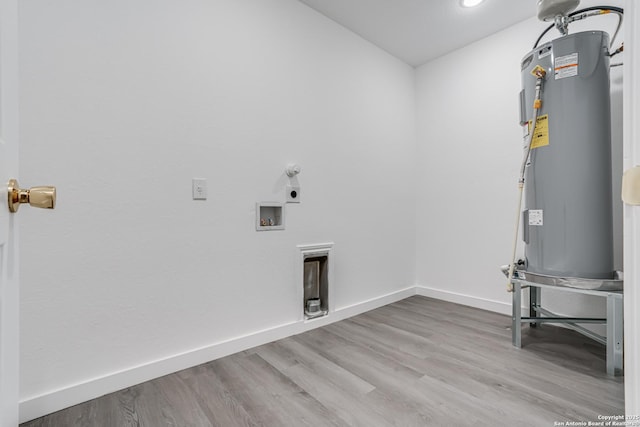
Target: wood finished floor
point(417, 362)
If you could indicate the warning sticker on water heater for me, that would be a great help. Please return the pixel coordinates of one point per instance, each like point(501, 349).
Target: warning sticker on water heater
point(541, 134)
point(566, 66)
point(535, 217)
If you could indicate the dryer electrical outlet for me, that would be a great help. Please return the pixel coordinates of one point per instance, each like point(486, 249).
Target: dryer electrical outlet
point(293, 194)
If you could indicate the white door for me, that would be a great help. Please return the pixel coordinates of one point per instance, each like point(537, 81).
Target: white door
point(632, 213)
point(8, 226)
point(42, 197)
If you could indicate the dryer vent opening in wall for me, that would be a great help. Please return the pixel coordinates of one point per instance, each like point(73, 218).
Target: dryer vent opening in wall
point(316, 286)
point(314, 280)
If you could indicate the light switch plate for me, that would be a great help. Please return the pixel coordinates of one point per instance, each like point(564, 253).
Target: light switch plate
point(199, 188)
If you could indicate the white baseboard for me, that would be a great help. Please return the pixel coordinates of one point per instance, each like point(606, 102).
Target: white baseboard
point(468, 300)
point(55, 400)
point(373, 303)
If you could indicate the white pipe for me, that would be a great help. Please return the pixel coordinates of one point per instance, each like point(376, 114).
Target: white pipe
point(536, 108)
point(292, 169)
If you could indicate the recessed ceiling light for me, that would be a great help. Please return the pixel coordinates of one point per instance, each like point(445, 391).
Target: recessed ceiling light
point(470, 3)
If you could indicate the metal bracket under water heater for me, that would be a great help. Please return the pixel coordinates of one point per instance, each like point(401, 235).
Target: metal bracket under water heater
point(614, 320)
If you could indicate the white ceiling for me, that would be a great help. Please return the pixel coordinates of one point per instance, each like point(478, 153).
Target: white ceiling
point(417, 31)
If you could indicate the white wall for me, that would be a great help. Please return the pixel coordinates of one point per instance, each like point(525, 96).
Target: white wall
point(469, 155)
point(122, 103)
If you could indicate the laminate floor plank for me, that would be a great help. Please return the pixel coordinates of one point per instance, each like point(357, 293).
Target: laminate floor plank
point(416, 362)
point(181, 398)
point(220, 406)
point(154, 409)
point(115, 409)
point(351, 409)
point(477, 386)
point(274, 394)
point(384, 335)
point(373, 342)
point(355, 358)
point(329, 371)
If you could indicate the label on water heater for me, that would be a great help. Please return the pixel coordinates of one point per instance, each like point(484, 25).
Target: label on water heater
point(566, 66)
point(535, 217)
point(541, 134)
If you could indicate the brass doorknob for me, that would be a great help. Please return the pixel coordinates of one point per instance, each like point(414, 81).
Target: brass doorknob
point(38, 197)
